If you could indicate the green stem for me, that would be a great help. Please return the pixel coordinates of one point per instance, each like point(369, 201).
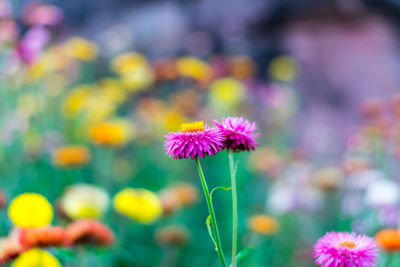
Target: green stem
point(234, 206)
point(212, 213)
point(389, 259)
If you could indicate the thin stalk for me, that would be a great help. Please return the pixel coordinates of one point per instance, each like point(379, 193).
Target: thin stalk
point(234, 206)
point(389, 260)
point(212, 213)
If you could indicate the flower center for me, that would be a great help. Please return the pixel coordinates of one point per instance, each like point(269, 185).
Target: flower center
point(347, 243)
point(192, 126)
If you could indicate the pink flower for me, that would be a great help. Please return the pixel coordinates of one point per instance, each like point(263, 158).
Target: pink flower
point(32, 44)
point(342, 249)
point(194, 140)
point(238, 133)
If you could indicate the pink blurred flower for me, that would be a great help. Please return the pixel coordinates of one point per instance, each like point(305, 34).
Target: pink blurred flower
point(5, 9)
point(239, 133)
point(32, 44)
point(339, 249)
point(8, 29)
point(41, 14)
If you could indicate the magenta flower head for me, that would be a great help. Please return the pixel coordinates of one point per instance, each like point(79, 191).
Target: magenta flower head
point(342, 249)
point(239, 133)
point(194, 140)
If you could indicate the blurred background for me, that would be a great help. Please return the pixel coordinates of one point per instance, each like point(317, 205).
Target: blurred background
point(90, 88)
point(330, 40)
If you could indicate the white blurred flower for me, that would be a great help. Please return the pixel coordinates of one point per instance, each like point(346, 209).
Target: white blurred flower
point(84, 201)
point(381, 193)
point(362, 179)
point(280, 200)
point(284, 198)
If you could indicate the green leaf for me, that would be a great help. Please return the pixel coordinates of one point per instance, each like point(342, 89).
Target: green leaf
point(243, 253)
point(208, 223)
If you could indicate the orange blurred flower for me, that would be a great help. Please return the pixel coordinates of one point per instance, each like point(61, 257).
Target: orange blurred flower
point(42, 237)
point(388, 239)
point(70, 156)
point(263, 224)
point(111, 133)
point(242, 67)
point(89, 231)
point(173, 235)
point(165, 69)
point(186, 193)
point(169, 201)
point(175, 197)
point(267, 160)
point(186, 101)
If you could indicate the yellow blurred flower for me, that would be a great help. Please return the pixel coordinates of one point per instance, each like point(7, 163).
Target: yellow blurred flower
point(194, 68)
point(140, 205)
point(84, 201)
point(36, 258)
point(80, 48)
point(69, 156)
point(173, 120)
point(90, 102)
point(140, 79)
point(76, 100)
point(226, 93)
point(53, 59)
point(128, 62)
point(283, 68)
point(113, 133)
point(112, 89)
point(30, 210)
point(156, 118)
point(263, 224)
point(98, 107)
point(35, 71)
point(134, 69)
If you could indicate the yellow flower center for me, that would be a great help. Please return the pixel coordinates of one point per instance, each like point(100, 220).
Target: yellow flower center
point(192, 126)
point(347, 243)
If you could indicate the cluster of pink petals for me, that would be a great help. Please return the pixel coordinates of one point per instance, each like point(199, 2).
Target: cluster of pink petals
point(200, 143)
point(330, 253)
point(239, 133)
